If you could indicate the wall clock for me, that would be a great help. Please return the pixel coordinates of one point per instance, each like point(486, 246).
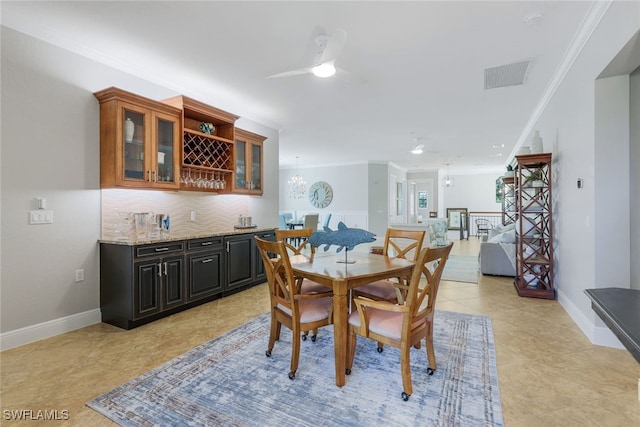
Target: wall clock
point(320, 194)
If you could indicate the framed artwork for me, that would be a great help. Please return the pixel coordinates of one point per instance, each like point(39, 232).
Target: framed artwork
point(499, 190)
point(433, 214)
point(457, 218)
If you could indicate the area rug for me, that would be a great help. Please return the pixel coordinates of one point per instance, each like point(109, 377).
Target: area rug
point(230, 382)
point(461, 268)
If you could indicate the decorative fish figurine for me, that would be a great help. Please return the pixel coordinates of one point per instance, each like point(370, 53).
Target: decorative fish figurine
point(344, 237)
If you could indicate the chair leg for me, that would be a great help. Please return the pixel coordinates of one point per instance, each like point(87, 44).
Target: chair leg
point(431, 355)
point(274, 334)
point(405, 366)
point(295, 353)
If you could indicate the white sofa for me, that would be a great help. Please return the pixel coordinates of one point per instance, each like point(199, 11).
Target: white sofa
point(497, 254)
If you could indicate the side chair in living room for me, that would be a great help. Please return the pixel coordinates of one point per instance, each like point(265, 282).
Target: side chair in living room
point(298, 312)
point(404, 244)
point(402, 325)
point(300, 236)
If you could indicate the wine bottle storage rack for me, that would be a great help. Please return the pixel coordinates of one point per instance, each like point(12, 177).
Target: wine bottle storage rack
point(202, 151)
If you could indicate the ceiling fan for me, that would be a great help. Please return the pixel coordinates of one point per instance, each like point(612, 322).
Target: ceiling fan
point(329, 48)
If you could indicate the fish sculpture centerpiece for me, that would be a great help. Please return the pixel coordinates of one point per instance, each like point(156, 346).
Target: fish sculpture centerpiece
point(344, 237)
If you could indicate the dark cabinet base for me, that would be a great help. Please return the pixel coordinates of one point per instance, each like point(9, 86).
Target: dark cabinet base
point(143, 283)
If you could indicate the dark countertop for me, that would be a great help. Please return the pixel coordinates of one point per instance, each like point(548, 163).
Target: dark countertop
point(619, 309)
point(175, 238)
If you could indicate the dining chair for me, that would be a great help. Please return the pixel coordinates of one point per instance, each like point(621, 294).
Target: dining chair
point(311, 221)
point(483, 226)
point(327, 220)
point(297, 311)
point(302, 247)
point(404, 244)
point(403, 325)
point(282, 222)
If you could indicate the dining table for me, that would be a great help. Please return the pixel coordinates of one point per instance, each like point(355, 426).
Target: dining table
point(333, 272)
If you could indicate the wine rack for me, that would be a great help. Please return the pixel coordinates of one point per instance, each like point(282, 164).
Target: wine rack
point(203, 151)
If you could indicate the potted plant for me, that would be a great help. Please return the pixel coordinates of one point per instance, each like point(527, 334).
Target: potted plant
point(510, 173)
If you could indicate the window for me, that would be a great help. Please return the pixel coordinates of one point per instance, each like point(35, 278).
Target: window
point(422, 200)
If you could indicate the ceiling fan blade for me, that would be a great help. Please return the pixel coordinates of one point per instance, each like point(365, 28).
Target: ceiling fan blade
point(290, 73)
point(334, 46)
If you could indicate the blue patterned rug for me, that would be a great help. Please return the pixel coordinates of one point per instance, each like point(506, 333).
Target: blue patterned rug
point(229, 382)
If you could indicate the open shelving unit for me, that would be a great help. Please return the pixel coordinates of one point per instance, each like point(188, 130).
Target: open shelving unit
point(534, 226)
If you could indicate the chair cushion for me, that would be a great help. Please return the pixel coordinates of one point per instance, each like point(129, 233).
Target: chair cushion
point(382, 289)
point(311, 287)
point(311, 310)
point(385, 323)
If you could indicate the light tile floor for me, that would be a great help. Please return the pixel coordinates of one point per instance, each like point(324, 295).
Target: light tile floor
point(549, 372)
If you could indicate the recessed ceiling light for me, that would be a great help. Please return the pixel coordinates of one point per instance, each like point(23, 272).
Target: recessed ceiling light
point(497, 146)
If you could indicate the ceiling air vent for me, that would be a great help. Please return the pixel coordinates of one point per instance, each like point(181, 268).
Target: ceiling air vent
point(506, 75)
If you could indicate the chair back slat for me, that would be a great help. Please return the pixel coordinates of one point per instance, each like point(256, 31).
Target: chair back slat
point(282, 285)
point(402, 242)
point(301, 236)
point(430, 264)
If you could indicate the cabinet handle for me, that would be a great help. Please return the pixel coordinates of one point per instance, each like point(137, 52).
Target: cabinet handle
point(161, 249)
point(204, 261)
point(228, 247)
point(206, 243)
point(165, 268)
point(159, 269)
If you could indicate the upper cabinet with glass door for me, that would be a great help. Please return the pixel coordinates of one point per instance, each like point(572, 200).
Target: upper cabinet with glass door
point(248, 163)
point(140, 141)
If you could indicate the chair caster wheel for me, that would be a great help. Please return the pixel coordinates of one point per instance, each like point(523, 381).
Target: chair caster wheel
point(380, 349)
point(430, 371)
point(405, 396)
point(268, 353)
point(347, 371)
point(292, 375)
point(304, 337)
point(313, 338)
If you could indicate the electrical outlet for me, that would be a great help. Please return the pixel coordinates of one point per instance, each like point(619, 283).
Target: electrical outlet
point(193, 215)
point(80, 275)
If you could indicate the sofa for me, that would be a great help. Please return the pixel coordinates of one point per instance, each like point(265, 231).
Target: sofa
point(498, 253)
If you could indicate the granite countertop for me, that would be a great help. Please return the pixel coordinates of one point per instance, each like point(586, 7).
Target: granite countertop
point(175, 238)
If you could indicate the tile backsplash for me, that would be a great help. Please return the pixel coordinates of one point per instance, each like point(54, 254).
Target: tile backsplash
point(214, 213)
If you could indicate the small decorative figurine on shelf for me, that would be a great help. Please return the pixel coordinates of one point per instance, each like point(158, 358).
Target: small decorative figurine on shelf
point(207, 128)
point(344, 237)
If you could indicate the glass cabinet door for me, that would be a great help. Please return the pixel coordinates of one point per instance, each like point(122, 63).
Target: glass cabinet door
point(256, 165)
point(165, 135)
point(241, 162)
point(133, 130)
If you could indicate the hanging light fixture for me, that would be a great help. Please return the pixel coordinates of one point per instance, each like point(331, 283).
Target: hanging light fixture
point(297, 185)
point(448, 181)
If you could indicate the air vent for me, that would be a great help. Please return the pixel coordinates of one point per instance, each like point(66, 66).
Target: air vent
point(506, 75)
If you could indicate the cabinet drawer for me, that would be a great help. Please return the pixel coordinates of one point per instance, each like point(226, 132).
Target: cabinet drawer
point(159, 249)
point(205, 243)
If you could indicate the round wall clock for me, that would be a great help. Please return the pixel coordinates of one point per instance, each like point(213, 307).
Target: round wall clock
point(320, 194)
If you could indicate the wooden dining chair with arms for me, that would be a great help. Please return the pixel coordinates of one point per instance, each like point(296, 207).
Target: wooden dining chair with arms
point(302, 247)
point(403, 325)
point(296, 311)
point(400, 244)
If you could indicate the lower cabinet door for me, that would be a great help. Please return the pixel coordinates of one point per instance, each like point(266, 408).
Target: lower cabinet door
point(173, 282)
point(146, 289)
point(206, 274)
point(239, 261)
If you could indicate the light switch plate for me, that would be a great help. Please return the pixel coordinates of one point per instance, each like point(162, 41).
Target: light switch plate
point(40, 217)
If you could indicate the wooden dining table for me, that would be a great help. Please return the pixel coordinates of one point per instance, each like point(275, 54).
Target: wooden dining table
point(333, 272)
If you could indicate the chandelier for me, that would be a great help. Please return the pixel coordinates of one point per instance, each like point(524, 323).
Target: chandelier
point(297, 185)
point(448, 181)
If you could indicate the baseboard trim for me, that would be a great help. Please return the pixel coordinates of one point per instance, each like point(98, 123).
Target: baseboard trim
point(598, 335)
point(40, 331)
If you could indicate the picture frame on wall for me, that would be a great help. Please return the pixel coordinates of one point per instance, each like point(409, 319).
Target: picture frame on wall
point(457, 218)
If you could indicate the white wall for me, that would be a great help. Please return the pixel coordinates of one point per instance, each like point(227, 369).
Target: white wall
point(50, 148)
point(569, 130)
point(634, 161)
